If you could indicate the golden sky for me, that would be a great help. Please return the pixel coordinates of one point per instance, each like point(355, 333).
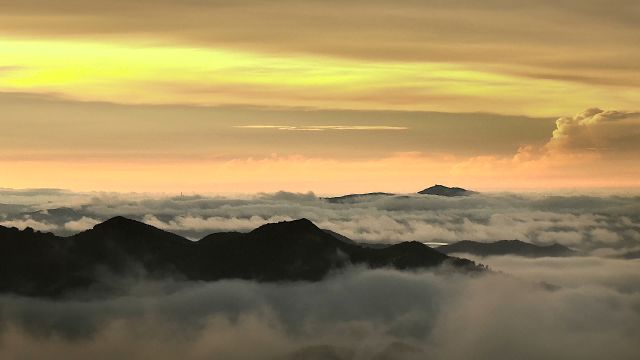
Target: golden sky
point(329, 96)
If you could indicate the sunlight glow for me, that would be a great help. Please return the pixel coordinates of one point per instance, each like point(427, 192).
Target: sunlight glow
point(132, 73)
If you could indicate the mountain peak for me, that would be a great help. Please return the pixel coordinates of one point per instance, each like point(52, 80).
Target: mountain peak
point(119, 222)
point(442, 190)
point(302, 225)
point(301, 222)
point(119, 228)
point(506, 247)
point(357, 197)
point(285, 251)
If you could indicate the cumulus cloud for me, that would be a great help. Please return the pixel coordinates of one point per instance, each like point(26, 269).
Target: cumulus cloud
point(598, 130)
point(593, 149)
point(358, 314)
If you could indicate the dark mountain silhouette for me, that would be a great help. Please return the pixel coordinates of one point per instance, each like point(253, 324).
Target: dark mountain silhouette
point(506, 247)
point(43, 264)
point(442, 190)
point(356, 197)
point(635, 254)
point(63, 214)
point(341, 237)
point(359, 243)
point(439, 190)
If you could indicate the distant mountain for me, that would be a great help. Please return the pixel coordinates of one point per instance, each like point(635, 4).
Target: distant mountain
point(357, 197)
point(635, 254)
point(62, 214)
point(506, 247)
point(439, 190)
point(43, 264)
point(442, 190)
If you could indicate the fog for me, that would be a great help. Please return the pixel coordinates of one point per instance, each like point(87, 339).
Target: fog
point(593, 312)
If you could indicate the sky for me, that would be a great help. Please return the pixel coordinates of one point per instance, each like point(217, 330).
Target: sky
point(219, 97)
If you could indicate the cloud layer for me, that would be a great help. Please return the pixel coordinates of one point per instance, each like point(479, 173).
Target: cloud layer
point(584, 307)
point(354, 315)
point(606, 224)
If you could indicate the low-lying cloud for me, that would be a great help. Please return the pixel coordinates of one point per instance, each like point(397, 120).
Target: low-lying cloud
point(585, 307)
point(584, 222)
point(359, 314)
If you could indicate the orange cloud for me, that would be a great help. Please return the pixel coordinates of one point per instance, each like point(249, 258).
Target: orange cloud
point(597, 130)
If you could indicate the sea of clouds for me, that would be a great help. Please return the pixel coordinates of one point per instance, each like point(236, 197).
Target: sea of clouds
point(581, 307)
point(592, 311)
point(592, 224)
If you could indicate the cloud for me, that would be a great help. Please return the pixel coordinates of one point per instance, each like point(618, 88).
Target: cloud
point(82, 224)
point(358, 314)
point(595, 146)
point(584, 222)
point(354, 29)
point(212, 224)
point(472, 150)
point(605, 235)
point(31, 223)
point(569, 273)
point(323, 127)
point(596, 130)
point(566, 238)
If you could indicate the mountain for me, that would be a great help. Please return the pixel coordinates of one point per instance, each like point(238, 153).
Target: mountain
point(634, 254)
point(62, 214)
point(439, 190)
point(357, 197)
point(341, 237)
point(43, 264)
point(442, 190)
point(36, 263)
point(506, 247)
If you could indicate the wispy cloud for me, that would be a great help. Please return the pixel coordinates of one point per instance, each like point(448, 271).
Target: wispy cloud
point(323, 127)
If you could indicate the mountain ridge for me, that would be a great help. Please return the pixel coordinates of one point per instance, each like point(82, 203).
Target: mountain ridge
point(506, 247)
point(355, 197)
point(43, 264)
